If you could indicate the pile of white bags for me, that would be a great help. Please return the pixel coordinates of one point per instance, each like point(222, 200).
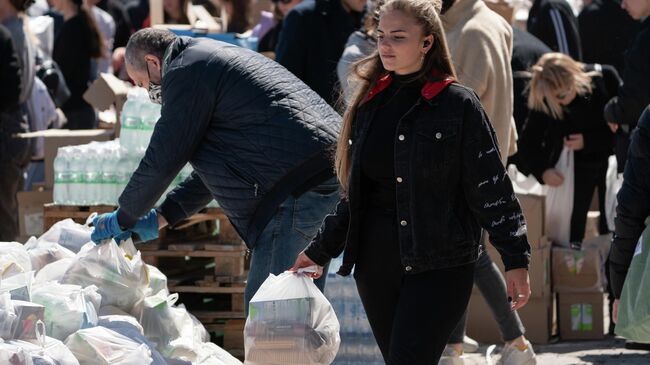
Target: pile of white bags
point(290, 322)
point(66, 301)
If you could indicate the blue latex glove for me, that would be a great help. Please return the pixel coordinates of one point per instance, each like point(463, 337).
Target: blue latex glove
point(147, 226)
point(106, 227)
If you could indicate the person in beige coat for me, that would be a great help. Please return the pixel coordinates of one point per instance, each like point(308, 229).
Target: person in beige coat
point(480, 43)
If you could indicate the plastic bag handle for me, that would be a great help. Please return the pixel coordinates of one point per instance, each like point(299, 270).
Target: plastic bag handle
point(90, 218)
point(40, 333)
point(172, 299)
point(309, 269)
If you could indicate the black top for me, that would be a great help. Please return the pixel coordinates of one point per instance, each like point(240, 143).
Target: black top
point(553, 22)
point(72, 53)
point(377, 159)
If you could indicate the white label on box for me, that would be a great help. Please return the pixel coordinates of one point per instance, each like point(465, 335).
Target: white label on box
point(34, 224)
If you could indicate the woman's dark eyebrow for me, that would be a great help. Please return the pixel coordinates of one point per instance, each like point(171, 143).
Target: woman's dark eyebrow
point(392, 31)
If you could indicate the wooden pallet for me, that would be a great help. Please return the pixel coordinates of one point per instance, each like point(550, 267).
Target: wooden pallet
point(53, 213)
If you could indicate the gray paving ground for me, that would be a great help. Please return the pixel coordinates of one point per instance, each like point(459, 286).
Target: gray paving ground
point(609, 351)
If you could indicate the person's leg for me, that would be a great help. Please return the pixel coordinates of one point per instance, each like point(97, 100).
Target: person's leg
point(602, 190)
point(583, 193)
point(458, 334)
point(492, 285)
point(429, 307)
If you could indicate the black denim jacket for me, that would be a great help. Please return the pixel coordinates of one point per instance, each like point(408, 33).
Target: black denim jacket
point(450, 182)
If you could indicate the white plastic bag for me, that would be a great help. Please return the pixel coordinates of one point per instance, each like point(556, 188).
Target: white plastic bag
point(13, 259)
point(102, 346)
point(290, 322)
point(129, 327)
point(68, 234)
point(43, 252)
point(559, 202)
point(46, 350)
point(523, 184)
point(120, 275)
point(192, 336)
point(211, 354)
point(158, 319)
point(614, 184)
point(68, 308)
point(53, 271)
point(18, 286)
point(7, 316)
point(27, 315)
point(157, 281)
point(13, 355)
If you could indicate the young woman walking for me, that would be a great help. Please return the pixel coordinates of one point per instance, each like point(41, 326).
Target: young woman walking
point(421, 173)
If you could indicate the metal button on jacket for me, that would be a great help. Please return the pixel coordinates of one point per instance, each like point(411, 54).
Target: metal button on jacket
point(403, 223)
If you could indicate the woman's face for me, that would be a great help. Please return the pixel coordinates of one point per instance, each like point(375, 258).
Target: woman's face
point(565, 96)
point(172, 8)
point(400, 42)
point(285, 6)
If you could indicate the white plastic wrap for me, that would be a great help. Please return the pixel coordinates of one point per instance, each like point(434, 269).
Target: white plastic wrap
point(68, 308)
point(18, 286)
point(129, 327)
point(53, 271)
point(43, 252)
point(13, 355)
point(211, 354)
point(120, 275)
point(68, 234)
point(46, 350)
point(102, 346)
point(157, 281)
point(559, 202)
point(290, 322)
point(13, 259)
point(7, 316)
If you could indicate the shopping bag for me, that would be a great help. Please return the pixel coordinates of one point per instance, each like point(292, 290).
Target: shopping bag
point(68, 234)
point(614, 183)
point(102, 346)
point(290, 322)
point(129, 327)
point(559, 202)
point(43, 252)
point(7, 316)
point(19, 286)
point(27, 315)
point(13, 259)
point(46, 350)
point(14, 355)
point(53, 271)
point(634, 308)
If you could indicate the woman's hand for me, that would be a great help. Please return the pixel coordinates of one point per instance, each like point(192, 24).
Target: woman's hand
point(518, 285)
point(303, 261)
point(553, 178)
point(575, 142)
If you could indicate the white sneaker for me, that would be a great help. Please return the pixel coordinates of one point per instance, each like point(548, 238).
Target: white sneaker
point(451, 357)
point(469, 345)
point(511, 355)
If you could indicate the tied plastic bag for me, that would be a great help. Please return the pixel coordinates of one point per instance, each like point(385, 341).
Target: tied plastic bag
point(68, 308)
point(614, 183)
point(13, 355)
point(118, 272)
point(634, 308)
point(102, 346)
point(559, 202)
point(13, 259)
point(211, 354)
point(53, 271)
point(157, 281)
point(68, 234)
point(290, 322)
point(18, 286)
point(192, 336)
point(42, 253)
point(7, 316)
point(129, 327)
point(27, 315)
point(46, 350)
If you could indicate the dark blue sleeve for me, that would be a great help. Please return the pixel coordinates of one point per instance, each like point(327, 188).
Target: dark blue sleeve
point(188, 198)
point(331, 238)
point(292, 45)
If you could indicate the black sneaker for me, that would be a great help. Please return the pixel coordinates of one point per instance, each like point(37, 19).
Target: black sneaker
point(637, 346)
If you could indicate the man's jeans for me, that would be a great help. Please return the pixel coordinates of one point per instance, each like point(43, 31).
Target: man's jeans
point(295, 223)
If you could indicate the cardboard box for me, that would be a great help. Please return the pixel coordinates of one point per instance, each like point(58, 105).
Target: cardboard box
point(106, 91)
point(55, 138)
point(581, 316)
point(30, 212)
point(538, 316)
point(533, 207)
point(577, 271)
point(539, 270)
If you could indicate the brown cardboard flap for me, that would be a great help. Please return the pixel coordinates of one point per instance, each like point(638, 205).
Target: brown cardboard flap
point(577, 271)
point(107, 90)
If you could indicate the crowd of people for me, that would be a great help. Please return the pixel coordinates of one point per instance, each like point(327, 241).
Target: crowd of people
point(380, 130)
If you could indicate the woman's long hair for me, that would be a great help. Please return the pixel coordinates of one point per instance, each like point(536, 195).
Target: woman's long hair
point(554, 73)
point(96, 40)
point(370, 69)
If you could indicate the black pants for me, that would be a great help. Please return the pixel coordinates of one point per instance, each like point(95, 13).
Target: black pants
point(588, 178)
point(411, 316)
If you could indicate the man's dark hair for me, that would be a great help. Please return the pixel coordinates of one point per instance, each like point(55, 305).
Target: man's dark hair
point(446, 5)
point(147, 41)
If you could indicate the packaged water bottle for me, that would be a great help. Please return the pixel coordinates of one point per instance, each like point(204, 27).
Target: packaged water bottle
point(149, 115)
point(92, 177)
point(122, 171)
point(61, 176)
point(130, 119)
point(76, 188)
point(109, 175)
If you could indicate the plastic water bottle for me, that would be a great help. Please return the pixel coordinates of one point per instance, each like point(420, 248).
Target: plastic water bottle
point(122, 171)
point(92, 177)
point(130, 119)
point(150, 113)
point(61, 176)
point(109, 175)
point(76, 188)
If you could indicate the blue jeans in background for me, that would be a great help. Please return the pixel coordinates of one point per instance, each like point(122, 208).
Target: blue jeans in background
point(293, 226)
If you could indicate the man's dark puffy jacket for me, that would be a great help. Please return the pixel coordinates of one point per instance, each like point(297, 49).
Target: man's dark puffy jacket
point(634, 95)
point(252, 131)
point(311, 43)
point(633, 204)
point(450, 182)
point(554, 23)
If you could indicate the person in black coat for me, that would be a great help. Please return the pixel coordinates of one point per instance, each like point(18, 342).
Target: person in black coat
point(623, 111)
point(633, 207)
point(553, 22)
point(312, 40)
point(12, 150)
point(606, 31)
point(76, 49)
point(258, 139)
point(565, 101)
